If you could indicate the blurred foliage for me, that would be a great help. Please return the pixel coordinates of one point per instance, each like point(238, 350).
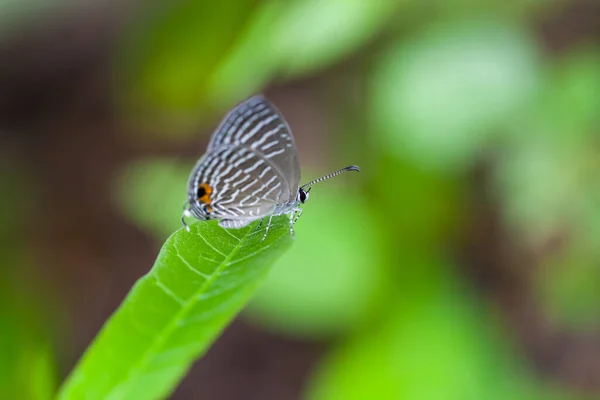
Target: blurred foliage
point(149, 194)
point(178, 67)
point(570, 289)
point(437, 109)
point(27, 365)
point(439, 346)
point(547, 174)
point(171, 56)
point(424, 207)
point(344, 24)
point(16, 14)
point(546, 181)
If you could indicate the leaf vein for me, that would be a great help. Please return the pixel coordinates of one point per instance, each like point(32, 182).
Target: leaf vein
point(187, 264)
point(232, 235)
point(168, 291)
point(211, 246)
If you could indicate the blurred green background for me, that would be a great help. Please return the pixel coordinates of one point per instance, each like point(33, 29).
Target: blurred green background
point(462, 263)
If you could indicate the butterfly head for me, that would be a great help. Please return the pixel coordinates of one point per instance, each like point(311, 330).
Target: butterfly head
point(302, 196)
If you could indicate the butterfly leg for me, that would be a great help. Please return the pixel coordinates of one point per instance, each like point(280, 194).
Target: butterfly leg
point(267, 228)
point(298, 214)
point(259, 224)
point(292, 213)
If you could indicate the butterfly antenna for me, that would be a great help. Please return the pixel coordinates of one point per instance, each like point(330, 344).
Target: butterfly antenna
point(331, 175)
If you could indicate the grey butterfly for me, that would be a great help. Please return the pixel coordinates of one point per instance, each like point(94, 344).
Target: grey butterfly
point(250, 170)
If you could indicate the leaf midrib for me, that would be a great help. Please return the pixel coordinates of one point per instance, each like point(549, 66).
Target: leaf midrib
point(172, 325)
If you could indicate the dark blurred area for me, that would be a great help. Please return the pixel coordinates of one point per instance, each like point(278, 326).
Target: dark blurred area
point(465, 255)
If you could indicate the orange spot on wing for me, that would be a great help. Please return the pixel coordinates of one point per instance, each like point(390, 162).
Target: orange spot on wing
point(206, 191)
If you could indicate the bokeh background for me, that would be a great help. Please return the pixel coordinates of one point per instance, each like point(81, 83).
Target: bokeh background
point(462, 263)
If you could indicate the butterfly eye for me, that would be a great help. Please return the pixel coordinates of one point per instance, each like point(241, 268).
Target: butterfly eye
point(302, 196)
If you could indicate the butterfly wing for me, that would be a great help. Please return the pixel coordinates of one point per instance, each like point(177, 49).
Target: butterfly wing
point(250, 168)
point(257, 125)
point(243, 185)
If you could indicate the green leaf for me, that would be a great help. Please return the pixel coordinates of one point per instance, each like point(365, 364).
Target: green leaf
point(199, 282)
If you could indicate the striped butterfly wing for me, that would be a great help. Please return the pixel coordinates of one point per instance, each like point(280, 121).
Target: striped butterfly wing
point(251, 164)
point(243, 187)
point(257, 125)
